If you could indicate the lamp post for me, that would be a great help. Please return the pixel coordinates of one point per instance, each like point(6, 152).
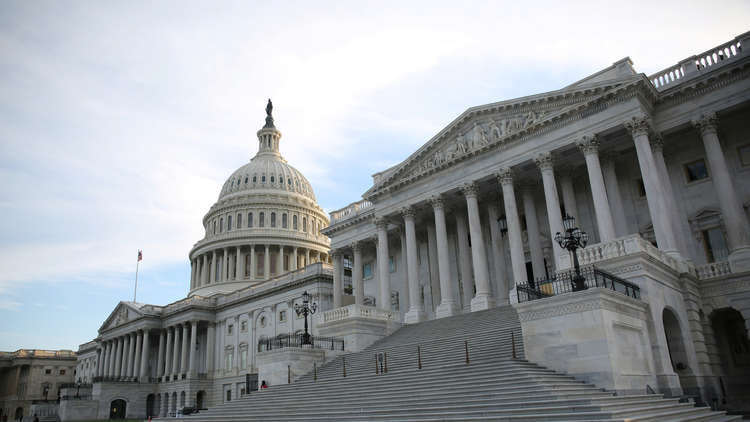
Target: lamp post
point(573, 239)
point(306, 308)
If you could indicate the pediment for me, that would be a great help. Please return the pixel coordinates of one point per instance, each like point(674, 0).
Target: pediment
point(480, 129)
point(123, 313)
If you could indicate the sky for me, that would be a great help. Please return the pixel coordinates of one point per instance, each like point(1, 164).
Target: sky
point(121, 120)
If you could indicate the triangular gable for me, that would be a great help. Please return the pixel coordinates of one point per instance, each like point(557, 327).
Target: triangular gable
point(123, 312)
point(481, 128)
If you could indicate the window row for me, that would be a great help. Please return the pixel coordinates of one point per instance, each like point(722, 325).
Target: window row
point(238, 182)
point(219, 225)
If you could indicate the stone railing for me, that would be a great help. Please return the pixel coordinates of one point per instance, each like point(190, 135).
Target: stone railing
point(713, 270)
point(624, 246)
point(350, 211)
point(358, 311)
point(701, 63)
point(190, 301)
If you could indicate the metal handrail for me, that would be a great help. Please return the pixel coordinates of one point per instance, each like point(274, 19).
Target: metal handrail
point(297, 341)
point(562, 282)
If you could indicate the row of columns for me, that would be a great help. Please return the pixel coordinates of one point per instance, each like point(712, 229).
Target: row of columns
point(606, 198)
point(125, 356)
point(233, 267)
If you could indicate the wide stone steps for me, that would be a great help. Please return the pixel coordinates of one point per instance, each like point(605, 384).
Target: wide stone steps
point(493, 386)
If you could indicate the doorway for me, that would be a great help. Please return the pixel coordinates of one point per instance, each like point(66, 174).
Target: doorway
point(117, 409)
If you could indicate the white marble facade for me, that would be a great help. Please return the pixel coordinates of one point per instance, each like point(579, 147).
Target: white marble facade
point(664, 158)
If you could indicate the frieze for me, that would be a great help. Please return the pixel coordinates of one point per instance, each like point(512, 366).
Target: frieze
point(726, 287)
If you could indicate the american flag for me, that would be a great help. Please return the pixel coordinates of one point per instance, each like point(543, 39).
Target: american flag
point(140, 255)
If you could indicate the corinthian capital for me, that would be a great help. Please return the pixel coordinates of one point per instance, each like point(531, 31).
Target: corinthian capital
point(706, 123)
point(505, 176)
point(544, 161)
point(588, 144)
point(407, 212)
point(437, 201)
point(470, 189)
point(381, 222)
point(638, 125)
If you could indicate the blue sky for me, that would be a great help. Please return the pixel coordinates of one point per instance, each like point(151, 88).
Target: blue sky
point(120, 121)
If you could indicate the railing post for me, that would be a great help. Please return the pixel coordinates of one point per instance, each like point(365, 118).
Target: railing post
point(419, 358)
point(513, 343)
point(385, 358)
point(288, 374)
point(315, 371)
point(466, 349)
point(343, 364)
point(376, 363)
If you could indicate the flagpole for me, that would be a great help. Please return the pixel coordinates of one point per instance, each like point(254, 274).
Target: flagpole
point(136, 279)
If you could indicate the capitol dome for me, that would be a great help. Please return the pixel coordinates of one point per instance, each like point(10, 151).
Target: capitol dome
point(266, 222)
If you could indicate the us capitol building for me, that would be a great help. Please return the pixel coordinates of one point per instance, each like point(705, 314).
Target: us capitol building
point(654, 169)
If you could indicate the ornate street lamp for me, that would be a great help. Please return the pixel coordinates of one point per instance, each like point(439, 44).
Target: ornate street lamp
point(573, 239)
point(306, 308)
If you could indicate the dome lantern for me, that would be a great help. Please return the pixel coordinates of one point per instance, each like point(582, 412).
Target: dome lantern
point(269, 136)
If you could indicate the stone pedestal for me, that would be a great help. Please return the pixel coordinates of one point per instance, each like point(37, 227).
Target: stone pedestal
point(359, 326)
point(276, 366)
point(598, 336)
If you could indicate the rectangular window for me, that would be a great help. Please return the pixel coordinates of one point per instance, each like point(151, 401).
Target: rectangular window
point(715, 245)
point(243, 326)
point(282, 316)
point(249, 220)
point(230, 355)
point(239, 221)
point(47, 371)
point(230, 329)
point(62, 372)
point(243, 358)
point(229, 223)
point(221, 225)
point(367, 270)
point(391, 264)
point(744, 153)
point(696, 170)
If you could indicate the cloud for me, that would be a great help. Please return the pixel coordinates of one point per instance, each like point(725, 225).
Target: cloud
point(9, 305)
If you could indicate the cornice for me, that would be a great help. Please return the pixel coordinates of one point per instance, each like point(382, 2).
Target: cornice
point(341, 225)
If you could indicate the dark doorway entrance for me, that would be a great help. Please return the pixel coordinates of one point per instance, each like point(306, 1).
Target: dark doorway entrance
point(199, 400)
point(150, 405)
point(117, 409)
point(19, 413)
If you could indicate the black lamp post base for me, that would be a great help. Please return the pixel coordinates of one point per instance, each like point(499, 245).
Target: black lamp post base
point(579, 283)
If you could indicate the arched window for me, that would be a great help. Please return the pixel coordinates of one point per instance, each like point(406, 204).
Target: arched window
point(255, 178)
point(304, 224)
point(249, 220)
point(281, 179)
point(261, 219)
point(272, 179)
point(214, 226)
point(229, 223)
point(245, 179)
point(283, 221)
point(273, 219)
point(239, 221)
point(263, 178)
point(221, 225)
point(294, 222)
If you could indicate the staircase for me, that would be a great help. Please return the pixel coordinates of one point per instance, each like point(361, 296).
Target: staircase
point(492, 386)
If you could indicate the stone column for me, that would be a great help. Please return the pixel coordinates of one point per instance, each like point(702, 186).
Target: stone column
point(517, 259)
point(192, 274)
point(126, 365)
point(737, 227)
point(357, 283)
point(447, 306)
point(176, 350)
point(118, 357)
point(464, 260)
point(294, 262)
point(404, 298)
point(99, 360)
point(253, 264)
point(432, 261)
point(131, 354)
point(138, 352)
point(416, 308)
point(193, 344)
point(105, 364)
point(532, 229)
point(267, 263)
point(498, 255)
point(240, 264)
point(337, 278)
point(383, 265)
point(225, 266)
point(184, 349)
point(213, 268)
point(168, 354)
point(482, 300)
point(589, 145)
point(160, 356)
point(210, 346)
point(545, 163)
point(144, 355)
point(613, 194)
point(655, 195)
point(568, 194)
point(307, 257)
point(280, 262)
point(204, 270)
